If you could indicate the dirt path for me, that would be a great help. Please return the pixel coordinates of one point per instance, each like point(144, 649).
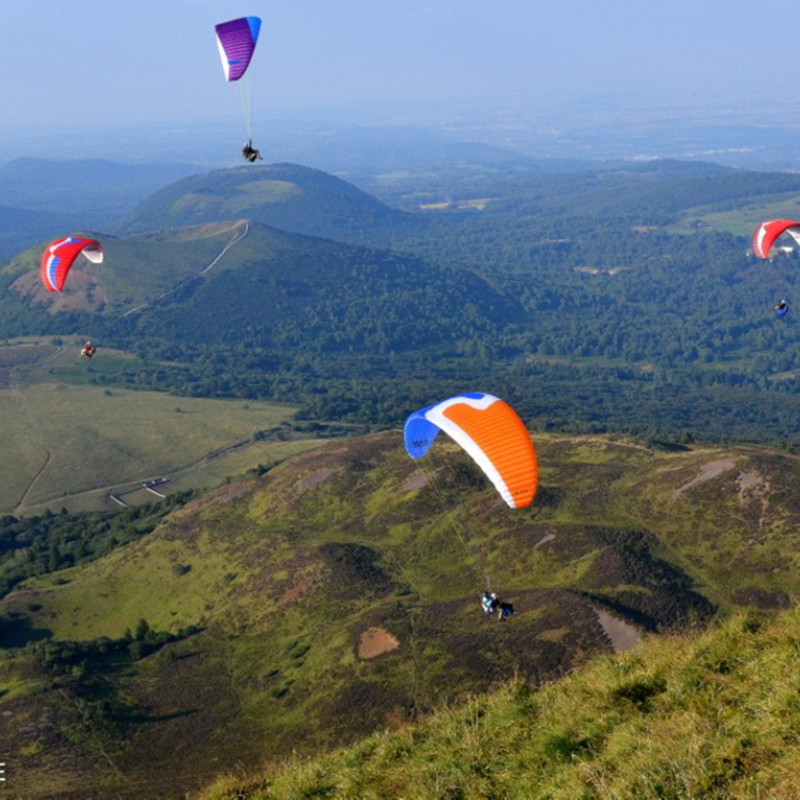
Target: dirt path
point(227, 247)
point(238, 238)
point(33, 482)
point(16, 388)
point(707, 472)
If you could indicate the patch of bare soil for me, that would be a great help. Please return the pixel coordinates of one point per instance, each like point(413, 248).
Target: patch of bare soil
point(375, 642)
point(419, 481)
point(544, 540)
point(754, 491)
point(707, 472)
point(292, 594)
point(315, 478)
point(81, 293)
point(622, 634)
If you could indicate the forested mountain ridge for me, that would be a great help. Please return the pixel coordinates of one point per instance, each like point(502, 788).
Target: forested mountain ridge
point(582, 296)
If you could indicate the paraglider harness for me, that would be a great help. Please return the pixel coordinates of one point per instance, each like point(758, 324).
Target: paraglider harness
point(781, 309)
point(491, 603)
point(88, 349)
point(249, 153)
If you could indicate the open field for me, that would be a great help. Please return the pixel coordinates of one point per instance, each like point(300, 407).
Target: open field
point(72, 442)
point(743, 221)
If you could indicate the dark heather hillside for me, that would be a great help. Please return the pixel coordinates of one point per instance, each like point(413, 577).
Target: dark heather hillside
point(338, 594)
point(699, 716)
point(286, 196)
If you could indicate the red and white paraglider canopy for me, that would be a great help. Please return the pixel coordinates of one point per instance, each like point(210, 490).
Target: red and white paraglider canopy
point(768, 232)
point(58, 258)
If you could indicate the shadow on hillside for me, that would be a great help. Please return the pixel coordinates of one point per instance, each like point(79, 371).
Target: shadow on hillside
point(15, 633)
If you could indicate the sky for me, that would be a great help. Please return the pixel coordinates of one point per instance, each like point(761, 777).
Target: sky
point(96, 63)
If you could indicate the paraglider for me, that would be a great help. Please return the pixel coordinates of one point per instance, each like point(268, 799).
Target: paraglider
point(58, 258)
point(767, 232)
point(491, 603)
point(88, 350)
point(236, 41)
point(782, 309)
point(249, 153)
point(490, 431)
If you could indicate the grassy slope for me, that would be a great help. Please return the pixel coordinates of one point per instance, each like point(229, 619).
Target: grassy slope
point(286, 572)
point(286, 196)
point(136, 269)
point(87, 440)
point(743, 221)
point(711, 716)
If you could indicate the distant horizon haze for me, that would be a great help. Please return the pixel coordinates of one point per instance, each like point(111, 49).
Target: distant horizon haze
point(92, 63)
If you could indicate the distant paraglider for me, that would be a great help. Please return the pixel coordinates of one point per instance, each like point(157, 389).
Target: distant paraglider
point(236, 41)
point(58, 258)
point(765, 237)
point(782, 309)
point(88, 350)
point(768, 232)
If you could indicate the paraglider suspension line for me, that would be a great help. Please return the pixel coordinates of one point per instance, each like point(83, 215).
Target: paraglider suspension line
point(247, 105)
point(473, 553)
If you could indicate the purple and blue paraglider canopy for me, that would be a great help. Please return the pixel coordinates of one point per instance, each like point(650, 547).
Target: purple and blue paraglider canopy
point(236, 41)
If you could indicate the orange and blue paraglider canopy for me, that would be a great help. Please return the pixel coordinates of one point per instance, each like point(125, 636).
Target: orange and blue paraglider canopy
point(490, 431)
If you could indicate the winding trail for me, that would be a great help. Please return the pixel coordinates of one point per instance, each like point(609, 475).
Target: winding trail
point(125, 487)
point(16, 387)
point(34, 481)
point(236, 239)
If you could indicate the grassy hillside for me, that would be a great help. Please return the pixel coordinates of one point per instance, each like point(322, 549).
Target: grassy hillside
point(337, 595)
point(711, 716)
point(285, 196)
point(72, 443)
point(136, 270)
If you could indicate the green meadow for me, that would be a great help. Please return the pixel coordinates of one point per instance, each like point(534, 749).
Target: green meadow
point(72, 442)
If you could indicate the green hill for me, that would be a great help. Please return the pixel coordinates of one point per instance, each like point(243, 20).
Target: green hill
point(570, 294)
point(337, 595)
point(286, 196)
point(227, 282)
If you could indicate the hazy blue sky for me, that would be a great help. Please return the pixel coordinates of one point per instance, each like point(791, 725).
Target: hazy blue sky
point(77, 62)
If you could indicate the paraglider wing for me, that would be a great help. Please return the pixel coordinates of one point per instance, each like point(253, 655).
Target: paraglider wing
point(58, 258)
point(236, 41)
point(490, 431)
point(768, 232)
